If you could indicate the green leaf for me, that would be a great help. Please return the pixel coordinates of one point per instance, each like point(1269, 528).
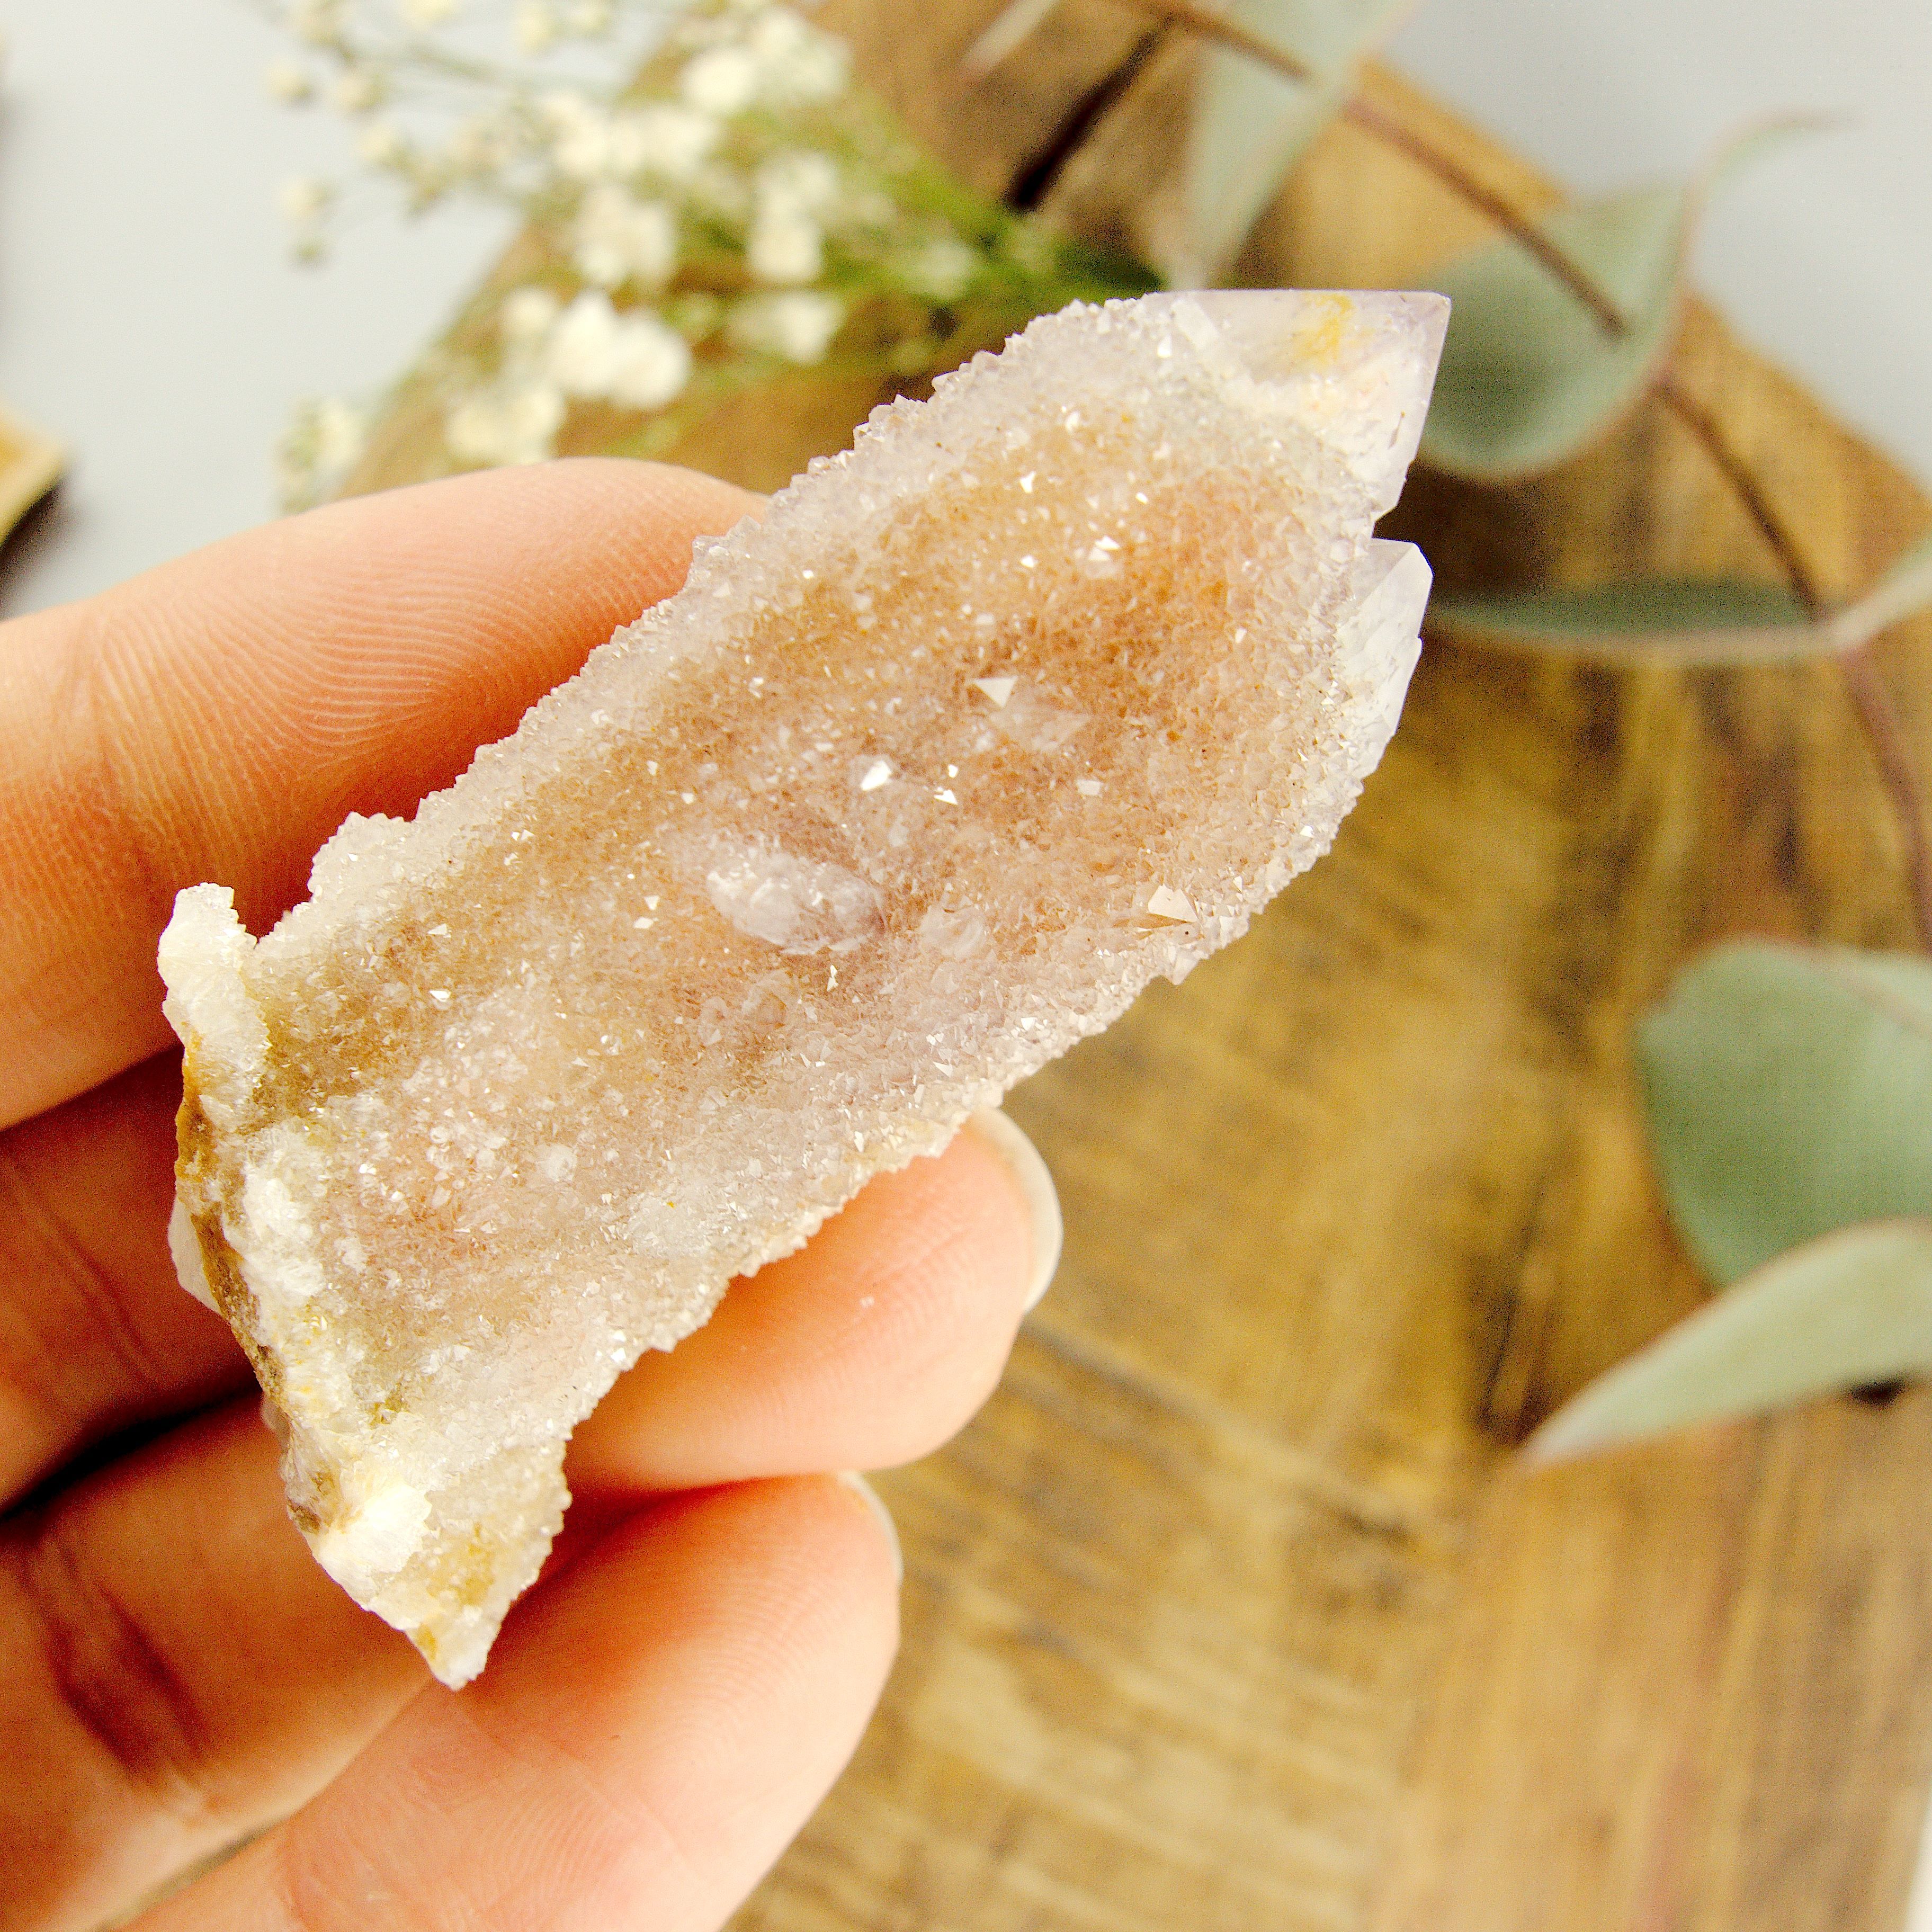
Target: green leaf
point(1529, 375)
point(1849, 1308)
point(1684, 620)
point(1790, 1093)
point(1252, 124)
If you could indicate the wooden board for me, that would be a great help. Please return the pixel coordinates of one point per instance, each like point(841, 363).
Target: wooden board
point(1233, 1610)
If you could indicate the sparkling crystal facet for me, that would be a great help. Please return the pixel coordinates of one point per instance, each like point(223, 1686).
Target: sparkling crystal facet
point(1040, 691)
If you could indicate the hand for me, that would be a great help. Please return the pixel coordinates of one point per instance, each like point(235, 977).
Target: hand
point(663, 1712)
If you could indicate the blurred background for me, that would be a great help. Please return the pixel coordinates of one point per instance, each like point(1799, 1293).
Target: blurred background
point(151, 321)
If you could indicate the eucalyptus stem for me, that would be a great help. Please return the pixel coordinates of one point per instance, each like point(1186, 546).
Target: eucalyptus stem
point(1884, 730)
point(1878, 718)
point(1703, 425)
point(1523, 232)
point(1871, 703)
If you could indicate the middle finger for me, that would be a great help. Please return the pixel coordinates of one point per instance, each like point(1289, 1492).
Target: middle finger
point(185, 1639)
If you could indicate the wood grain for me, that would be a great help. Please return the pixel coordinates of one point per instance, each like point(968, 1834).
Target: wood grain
point(1234, 1609)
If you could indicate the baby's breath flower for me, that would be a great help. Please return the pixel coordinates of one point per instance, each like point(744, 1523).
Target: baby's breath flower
point(381, 144)
point(304, 199)
point(288, 83)
point(624, 150)
point(580, 134)
point(795, 62)
point(323, 441)
point(563, 107)
point(317, 23)
point(671, 140)
point(536, 26)
point(726, 148)
point(341, 433)
point(635, 360)
point(721, 80)
point(801, 179)
point(942, 269)
point(798, 325)
point(618, 239)
point(527, 316)
point(785, 244)
point(652, 364)
point(357, 90)
point(514, 425)
point(581, 351)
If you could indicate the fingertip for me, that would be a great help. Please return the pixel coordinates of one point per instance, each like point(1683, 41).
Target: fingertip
point(1032, 1180)
point(868, 1348)
point(655, 1723)
point(873, 1505)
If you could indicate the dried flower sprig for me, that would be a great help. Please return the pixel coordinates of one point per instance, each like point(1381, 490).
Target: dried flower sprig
point(707, 201)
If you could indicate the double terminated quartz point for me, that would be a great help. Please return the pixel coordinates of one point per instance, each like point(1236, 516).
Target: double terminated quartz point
point(1043, 690)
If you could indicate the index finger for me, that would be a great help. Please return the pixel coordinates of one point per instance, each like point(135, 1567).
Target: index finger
point(217, 718)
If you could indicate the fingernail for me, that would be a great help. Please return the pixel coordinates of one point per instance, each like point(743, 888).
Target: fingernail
point(851, 1479)
point(1030, 1176)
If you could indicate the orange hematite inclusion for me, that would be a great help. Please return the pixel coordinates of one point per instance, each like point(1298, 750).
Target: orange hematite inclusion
point(1039, 692)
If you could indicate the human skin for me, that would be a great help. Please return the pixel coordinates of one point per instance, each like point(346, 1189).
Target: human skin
point(663, 1710)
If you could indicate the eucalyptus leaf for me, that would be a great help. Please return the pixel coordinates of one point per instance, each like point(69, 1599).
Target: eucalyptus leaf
point(1688, 620)
point(1789, 1093)
point(1681, 620)
point(1530, 375)
point(1251, 124)
point(1849, 1308)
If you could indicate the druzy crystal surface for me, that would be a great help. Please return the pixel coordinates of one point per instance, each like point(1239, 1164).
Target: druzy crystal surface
point(1039, 692)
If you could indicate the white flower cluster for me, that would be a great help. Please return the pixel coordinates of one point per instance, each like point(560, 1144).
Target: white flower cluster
point(719, 201)
point(553, 352)
point(590, 142)
point(797, 326)
point(619, 238)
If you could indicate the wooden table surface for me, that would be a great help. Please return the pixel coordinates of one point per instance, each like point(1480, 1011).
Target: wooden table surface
point(1234, 1609)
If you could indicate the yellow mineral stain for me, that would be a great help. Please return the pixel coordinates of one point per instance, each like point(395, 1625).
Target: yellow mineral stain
point(1323, 329)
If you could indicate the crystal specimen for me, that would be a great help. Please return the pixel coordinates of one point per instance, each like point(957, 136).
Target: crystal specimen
point(1040, 691)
